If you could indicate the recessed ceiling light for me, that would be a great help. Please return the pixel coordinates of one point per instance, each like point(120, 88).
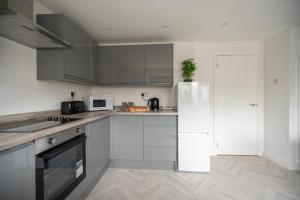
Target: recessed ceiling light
point(164, 26)
point(224, 23)
point(108, 29)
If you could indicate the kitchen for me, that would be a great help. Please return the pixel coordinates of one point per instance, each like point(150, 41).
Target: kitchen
point(139, 155)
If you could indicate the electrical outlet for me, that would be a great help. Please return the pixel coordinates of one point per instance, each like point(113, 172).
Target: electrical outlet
point(73, 94)
point(145, 95)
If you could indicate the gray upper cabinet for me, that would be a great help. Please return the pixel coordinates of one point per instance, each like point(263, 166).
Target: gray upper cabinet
point(70, 64)
point(24, 7)
point(131, 64)
point(77, 60)
point(95, 61)
point(159, 64)
point(127, 137)
point(17, 171)
point(136, 65)
point(108, 64)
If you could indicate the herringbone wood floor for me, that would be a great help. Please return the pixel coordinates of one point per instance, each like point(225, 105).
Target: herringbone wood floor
point(231, 177)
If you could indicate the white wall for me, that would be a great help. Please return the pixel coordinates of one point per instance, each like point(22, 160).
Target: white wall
point(277, 98)
point(282, 140)
point(296, 45)
point(294, 98)
point(20, 92)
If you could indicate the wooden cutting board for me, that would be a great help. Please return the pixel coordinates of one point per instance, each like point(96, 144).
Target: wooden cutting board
point(138, 109)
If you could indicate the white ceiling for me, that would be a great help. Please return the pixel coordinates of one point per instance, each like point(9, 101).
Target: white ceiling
point(117, 21)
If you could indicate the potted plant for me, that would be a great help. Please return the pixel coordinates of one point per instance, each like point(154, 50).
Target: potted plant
point(188, 69)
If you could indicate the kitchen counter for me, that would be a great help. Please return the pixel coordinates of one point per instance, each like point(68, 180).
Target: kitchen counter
point(151, 113)
point(12, 139)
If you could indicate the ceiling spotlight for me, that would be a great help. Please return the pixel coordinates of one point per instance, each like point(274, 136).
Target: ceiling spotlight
point(108, 29)
point(224, 23)
point(164, 26)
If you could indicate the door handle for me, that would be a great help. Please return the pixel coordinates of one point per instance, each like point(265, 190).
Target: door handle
point(253, 104)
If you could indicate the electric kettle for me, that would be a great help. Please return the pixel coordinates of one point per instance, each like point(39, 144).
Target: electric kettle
point(153, 103)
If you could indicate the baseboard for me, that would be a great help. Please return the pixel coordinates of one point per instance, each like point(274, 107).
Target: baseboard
point(277, 160)
point(143, 164)
point(294, 167)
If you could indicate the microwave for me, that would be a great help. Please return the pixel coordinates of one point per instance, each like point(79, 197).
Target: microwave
point(98, 103)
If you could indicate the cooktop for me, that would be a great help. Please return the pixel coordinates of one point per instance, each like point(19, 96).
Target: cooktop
point(35, 124)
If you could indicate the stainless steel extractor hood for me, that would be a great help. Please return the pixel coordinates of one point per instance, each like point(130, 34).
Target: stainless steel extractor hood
point(16, 24)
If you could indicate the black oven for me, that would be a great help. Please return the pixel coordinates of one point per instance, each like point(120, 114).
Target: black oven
point(61, 168)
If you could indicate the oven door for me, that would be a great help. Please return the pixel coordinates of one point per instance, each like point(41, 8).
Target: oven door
point(61, 169)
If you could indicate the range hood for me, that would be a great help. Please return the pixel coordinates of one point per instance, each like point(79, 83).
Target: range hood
point(16, 24)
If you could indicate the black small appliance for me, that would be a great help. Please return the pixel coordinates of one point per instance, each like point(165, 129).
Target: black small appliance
point(72, 107)
point(153, 103)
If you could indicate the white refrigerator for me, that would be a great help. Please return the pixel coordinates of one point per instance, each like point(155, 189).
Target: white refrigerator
point(193, 127)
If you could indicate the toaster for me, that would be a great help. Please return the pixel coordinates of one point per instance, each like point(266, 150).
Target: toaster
point(72, 107)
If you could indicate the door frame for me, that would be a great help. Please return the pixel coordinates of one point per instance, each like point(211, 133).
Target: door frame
point(260, 96)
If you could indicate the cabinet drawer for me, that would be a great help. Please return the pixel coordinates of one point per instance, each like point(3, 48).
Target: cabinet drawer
point(160, 130)
point(161, 141)
point(162, 154)
point(160, 120)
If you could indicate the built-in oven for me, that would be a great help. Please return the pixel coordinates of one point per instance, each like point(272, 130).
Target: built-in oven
point(60, 164)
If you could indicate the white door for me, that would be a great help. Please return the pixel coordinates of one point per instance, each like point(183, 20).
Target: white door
point(236, 105)
point(193, 152)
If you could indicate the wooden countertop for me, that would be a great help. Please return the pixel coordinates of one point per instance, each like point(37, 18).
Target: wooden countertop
point(12, 139)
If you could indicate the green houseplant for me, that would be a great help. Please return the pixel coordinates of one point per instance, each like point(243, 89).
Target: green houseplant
point(188, 69)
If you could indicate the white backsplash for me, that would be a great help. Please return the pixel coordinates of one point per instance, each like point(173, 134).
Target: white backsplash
point(133, 94)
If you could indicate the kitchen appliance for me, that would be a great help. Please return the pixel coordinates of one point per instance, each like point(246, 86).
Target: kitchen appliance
point(16, 22)
point(193, 127)
point(153, 103)
point(72, 107)
point(29, 126)
point(60, 163)
point(98, 103)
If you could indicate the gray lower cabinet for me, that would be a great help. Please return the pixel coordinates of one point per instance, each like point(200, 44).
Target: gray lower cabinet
point(159, 64)
point(78, 64)
point(160, 136)
point(17, 172)
point(144, 138)
point(127, 137)
point(98, 147)
point(97, 157)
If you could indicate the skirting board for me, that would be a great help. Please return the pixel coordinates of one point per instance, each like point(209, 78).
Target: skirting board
point(143, 164)
point(277, 160)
